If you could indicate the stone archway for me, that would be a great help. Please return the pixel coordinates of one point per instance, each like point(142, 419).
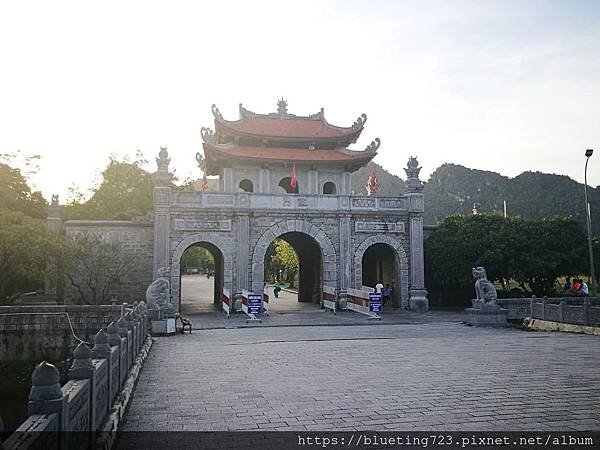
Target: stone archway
point(330, 272)
point(181, 247)
point(401, 279)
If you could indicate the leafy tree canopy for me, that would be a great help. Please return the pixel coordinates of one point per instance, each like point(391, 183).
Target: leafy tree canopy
point(532, 252)
point(15, 193)
point(126, 191)
point(24, 246)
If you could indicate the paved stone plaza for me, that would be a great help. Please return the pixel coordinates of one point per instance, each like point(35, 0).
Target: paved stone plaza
point(409, 372)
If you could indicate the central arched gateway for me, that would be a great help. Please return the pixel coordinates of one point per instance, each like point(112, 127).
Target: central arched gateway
point(223, 265)
point(306, 239)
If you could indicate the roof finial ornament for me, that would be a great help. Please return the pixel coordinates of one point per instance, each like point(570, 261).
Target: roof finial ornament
point(413, 184)
point(216, 112)
point(282, 107)
point(373, 146)
point(360, 122)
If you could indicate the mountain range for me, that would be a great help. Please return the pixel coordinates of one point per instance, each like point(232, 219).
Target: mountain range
point(454, 189)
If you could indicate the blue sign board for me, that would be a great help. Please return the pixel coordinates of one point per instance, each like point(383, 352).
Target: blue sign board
point(375, 303)
point(254, 303)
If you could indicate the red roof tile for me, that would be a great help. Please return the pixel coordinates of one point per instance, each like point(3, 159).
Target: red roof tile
point(293, 128)
point(289, 154)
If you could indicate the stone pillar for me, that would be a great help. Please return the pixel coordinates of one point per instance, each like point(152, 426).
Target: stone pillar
point(264, 180)
point(346, 187)
point(345, 254)
point(132, 342)
point(83, 369)
point(101, 350)
point(414, 188)
point(114, 340)
point(46, 396)
point(243, 252)
point(228, 179)
point(313, 181)
point(53, 224)
point(123, 335)
point(162, 203)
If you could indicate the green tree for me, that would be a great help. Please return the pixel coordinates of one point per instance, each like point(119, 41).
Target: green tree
point(24, 245)
point(126, 191)
point(94, 265)
point(197, 257)
point(285, 258)
point(534, 253)
point(16, 195)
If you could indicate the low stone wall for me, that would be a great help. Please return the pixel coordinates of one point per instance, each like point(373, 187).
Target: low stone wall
point(86, 402)
point(29, 333)
point(574, 310)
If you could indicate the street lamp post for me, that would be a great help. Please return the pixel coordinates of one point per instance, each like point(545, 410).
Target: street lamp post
point(589, 153)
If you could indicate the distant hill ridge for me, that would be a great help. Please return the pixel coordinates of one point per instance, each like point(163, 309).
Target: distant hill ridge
point(453, 189)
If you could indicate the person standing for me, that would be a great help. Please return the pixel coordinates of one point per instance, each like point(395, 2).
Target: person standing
point(387, 292)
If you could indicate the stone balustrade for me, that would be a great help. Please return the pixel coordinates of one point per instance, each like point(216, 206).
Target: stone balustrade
point(96, 378)
point(574, 310)
point(261, 201)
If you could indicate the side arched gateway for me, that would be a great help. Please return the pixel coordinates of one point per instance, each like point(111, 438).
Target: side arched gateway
point(298, 228)
point(383, 242)
point(223, 273)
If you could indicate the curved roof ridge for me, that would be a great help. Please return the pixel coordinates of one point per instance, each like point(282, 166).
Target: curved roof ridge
point(282, 114)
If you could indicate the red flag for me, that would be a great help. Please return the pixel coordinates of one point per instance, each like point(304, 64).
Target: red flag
point(372, 185)
point(293, 179)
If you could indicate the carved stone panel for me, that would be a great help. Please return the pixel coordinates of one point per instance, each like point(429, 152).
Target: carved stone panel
point(379, 227)
point(362, 202)
point(392, 203)
point(202, 225)
point(219, 200)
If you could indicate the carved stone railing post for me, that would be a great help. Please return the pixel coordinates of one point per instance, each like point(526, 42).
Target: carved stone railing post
point(561, 311)
point(125, 365)
point(145, 320)
point(543, 309)
point(137, 318)
point(586, 312)
point(102, 350)
point(114, 340)
point(130, 338)
point(83, 369)
point(46, 396)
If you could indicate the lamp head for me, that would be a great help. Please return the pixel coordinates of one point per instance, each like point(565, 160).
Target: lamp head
point(589, 152)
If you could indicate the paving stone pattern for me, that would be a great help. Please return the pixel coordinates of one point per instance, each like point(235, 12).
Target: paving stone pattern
point(433, 375)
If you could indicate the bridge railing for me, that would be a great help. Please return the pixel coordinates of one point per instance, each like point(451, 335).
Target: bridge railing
point(71, 416)
point(574, 310)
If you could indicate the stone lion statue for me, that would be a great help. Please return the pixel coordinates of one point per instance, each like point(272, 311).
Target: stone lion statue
point(484, 290)
point(157, 295)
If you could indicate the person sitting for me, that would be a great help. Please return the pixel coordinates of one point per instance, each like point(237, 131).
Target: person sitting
point(575, 287)
point(583, 289)
point(566, 290)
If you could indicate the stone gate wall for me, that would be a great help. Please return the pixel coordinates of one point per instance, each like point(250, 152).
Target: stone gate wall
point(137, 241)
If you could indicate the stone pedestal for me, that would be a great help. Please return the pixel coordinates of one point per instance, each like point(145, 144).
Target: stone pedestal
point(164, 326)
point(482, 315)
point(418, 300)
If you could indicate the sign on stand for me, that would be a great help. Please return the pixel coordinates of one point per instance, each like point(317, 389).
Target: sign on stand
point(375, 305)
point(252, 305)
point(359, 300)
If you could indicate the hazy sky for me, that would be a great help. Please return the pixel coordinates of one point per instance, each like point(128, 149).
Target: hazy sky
point(505, 86)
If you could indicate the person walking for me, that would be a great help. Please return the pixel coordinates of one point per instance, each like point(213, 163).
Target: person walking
point(276, 289)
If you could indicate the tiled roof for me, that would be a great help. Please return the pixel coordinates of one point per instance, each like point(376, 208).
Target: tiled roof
point(289, 154)
point(293, 128)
